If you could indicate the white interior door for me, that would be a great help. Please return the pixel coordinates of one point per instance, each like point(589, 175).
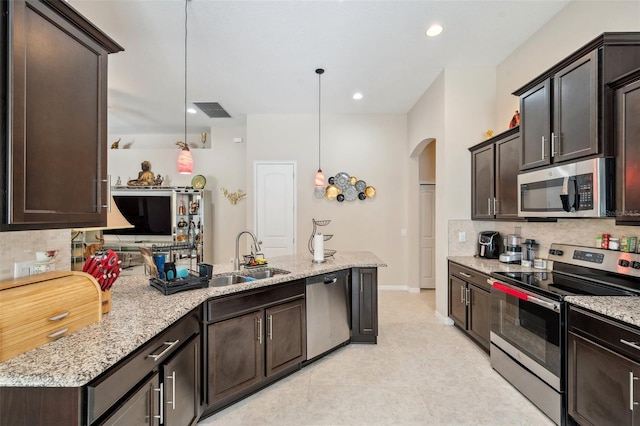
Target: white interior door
point(275, 207)
point(427, 235)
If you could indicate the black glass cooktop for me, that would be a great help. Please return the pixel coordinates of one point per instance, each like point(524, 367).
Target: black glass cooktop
point(557, 285)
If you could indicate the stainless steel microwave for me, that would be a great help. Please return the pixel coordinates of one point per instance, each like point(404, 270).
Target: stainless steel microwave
point(581, 189)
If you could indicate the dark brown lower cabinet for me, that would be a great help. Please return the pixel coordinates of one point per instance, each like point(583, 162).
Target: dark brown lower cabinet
point(603, 371)
point(181, 386)
point(235, 355)
point(364, 316)
point(142, 408)
point(470, 303)
point(286, 336)
point(252, 339)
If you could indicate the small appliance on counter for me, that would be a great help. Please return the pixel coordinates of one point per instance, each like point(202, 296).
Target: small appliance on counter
point(489, 244)
point(512, 249)
point(530, 253)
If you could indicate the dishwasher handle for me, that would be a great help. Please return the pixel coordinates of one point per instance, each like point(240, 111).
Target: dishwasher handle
point(330, 279)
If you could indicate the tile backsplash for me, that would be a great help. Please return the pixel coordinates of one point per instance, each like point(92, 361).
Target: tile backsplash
point(581, 232)
point(21, 246)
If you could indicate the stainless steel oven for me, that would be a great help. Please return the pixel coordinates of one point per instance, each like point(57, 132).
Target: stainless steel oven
point(526, 331)
point(529, 317)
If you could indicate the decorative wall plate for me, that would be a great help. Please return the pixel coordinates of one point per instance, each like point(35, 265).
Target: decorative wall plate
point(198, 182)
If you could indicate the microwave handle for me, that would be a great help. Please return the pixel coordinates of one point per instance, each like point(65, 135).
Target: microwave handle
point(570, 196)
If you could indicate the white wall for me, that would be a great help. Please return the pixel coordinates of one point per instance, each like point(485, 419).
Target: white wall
point(370, 147)
point(574, 26)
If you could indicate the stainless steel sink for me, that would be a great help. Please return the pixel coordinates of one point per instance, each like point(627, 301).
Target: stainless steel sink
point(229, 279)
point(244, 276)
point(260, 274)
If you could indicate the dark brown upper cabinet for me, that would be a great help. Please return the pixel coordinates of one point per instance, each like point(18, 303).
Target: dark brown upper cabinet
point(494, 171)
point(54, 117)
point(628, 149)
point(567, 112)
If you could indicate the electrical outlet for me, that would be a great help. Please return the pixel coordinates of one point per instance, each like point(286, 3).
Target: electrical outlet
point(32, 267)
point(403, 232)
point(462, 237)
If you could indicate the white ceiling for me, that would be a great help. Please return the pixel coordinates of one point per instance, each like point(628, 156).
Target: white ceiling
point(261, 56)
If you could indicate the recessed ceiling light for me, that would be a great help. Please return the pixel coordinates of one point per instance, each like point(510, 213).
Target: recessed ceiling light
point(434, 30)
point(191, 110)
point(357, 96)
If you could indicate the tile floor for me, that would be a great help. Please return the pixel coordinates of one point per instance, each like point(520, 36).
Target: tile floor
point(421, 372)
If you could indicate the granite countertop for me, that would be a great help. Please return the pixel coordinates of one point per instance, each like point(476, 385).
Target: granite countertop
point(622, 308)
point(138, 313)
point(487, 266)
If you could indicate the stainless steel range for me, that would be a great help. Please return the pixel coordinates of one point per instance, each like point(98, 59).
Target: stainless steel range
point(528, 317)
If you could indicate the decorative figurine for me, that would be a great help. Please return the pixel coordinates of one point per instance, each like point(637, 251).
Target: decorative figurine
point(145, 177)
point(116, 144)
point(158, 180)
point(515, 121)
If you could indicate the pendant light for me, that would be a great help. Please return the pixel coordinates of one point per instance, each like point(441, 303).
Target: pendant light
point(319, 180)
point(185, 159)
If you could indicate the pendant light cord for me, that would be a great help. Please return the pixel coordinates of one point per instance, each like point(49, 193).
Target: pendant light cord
point(186, 20)
point(319, 71)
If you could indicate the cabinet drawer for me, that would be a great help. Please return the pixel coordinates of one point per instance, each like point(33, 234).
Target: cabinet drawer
point(237, 304)
point(114, 384)
point(469, 275)
point(52, 305)
point(606, 332)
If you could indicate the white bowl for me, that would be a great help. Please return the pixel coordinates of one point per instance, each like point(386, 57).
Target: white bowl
point(43, 256)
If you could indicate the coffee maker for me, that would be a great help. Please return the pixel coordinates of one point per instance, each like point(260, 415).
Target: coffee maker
point(512, 249)
point(489, 244)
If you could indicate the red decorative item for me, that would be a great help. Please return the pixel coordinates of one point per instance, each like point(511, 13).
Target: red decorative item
point(104, 266)
point(515, 121)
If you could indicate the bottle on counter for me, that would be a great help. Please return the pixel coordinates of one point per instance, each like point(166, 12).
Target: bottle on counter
point(605, 241)
point(181, 208)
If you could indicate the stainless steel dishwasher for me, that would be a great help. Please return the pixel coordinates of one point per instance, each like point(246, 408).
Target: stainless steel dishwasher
point(328, 312)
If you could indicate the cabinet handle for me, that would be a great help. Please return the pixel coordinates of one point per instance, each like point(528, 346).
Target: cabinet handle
point(468, 297)
point(495, 209)
point(108, 192)
point(161, 416)
point(542, 150)
point(632, 344)
point(632, 379)
point(59, 316)
point(488, 206)
point(270, 327)
point(464, 274)
point(260, 330)
point(173, 389)
point(361, 287)
point(167, 349)
point(462, 296)
point(553, 145)
point(58, 333)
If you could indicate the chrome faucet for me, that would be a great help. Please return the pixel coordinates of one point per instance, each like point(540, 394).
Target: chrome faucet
point(256, 244)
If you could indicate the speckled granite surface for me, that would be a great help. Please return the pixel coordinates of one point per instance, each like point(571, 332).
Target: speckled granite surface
point(138, 313)
point(622, 308)
point(489, 265)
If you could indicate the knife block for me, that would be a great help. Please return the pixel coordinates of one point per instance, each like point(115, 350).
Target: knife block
point(106, 301)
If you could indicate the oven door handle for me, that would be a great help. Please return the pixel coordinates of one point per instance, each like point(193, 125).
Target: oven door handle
point(525, 296)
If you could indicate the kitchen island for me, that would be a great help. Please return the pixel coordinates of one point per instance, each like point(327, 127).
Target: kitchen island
point(138, 314)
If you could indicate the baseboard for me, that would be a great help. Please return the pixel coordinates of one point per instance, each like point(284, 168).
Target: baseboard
point(443, 319)
point(401, 288)
point(393, 288)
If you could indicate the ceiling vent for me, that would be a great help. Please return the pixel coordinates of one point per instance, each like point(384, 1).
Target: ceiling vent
point(212, 109)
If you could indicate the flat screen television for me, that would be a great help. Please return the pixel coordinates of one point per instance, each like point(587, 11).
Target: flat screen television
point(150, 212)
